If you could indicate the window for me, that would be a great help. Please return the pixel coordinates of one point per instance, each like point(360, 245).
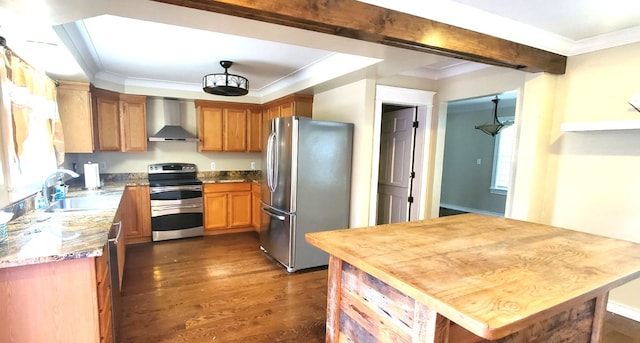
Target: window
point(503, 149)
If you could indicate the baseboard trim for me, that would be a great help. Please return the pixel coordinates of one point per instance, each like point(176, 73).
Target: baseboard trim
point(624, 311)
point(472, 210)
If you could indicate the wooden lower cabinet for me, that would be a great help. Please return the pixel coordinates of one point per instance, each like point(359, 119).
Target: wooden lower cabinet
point(227, 207)
point(103, 286)
point(136, 218)
point(256, 209)
point(55, 302)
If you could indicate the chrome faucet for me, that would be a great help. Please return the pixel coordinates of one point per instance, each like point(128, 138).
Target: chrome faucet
point(45, 184)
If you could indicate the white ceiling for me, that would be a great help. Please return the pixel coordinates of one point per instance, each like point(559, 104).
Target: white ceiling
point(136, 44)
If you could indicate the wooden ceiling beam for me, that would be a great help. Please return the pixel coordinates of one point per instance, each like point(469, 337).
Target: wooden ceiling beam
point(354, 19)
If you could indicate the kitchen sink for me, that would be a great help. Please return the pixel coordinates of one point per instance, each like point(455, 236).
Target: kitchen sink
point(83, 203)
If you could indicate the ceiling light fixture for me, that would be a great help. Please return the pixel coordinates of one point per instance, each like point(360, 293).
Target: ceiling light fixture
point(493, 129)
point(225, 84)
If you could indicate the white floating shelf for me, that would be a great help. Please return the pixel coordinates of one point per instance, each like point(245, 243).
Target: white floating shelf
point(601, 126)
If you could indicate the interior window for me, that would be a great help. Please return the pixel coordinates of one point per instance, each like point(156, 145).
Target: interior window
point(501, 174)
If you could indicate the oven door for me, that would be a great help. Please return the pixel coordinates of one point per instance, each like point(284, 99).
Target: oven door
point(176, 212)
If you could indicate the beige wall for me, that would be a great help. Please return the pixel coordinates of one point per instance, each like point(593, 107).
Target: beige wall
point(597, 174)
point(353, 103)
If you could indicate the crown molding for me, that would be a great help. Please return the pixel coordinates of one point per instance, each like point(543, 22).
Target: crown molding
point(606, 41)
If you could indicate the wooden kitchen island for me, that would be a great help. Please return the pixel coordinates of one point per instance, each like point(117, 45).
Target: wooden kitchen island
point(471, 278)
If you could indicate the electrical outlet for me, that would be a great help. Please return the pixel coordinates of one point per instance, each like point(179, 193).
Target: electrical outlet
point(103, 166)
point(213, 166)
point(253, 166)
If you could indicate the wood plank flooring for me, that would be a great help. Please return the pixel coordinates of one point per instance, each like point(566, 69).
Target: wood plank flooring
point(218, 289)
point(224, 289)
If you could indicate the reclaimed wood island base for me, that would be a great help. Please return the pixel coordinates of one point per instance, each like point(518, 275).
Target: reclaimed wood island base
point(471, 278)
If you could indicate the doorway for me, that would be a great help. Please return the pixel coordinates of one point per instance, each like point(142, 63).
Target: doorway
point(391, 184)
point(477, 166)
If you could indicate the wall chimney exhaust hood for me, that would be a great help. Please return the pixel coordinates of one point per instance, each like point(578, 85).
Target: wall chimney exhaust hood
point(172, 131)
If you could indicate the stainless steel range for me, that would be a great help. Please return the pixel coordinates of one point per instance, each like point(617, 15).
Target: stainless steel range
point(176, 201)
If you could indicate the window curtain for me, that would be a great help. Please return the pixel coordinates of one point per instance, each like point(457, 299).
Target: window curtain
point(34, 141)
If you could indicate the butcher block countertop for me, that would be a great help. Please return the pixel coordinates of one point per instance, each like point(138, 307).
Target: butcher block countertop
point(492, 276)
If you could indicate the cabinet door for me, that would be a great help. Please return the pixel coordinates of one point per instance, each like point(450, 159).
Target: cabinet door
point(143, 210)
point(273, 112)
point(108, 123)
point(74, 106)
point(254, 131)
point(136, 215)
point(255, 206)
point(129, 213)
point(210, 128)
point(134, 126)
point(239, 209)
point(235, 130)
point(215, 211)
point(286, 110)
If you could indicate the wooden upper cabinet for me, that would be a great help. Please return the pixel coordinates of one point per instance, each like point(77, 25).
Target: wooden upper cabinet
point(119, 121)
point(234, 132)
point(286, 109)
point(133, 120)
point(74, 106)
point(106, 120)
point(209, 127)
point(272, 112)
point(292, 105)
point(223, 126)
point(254, 130)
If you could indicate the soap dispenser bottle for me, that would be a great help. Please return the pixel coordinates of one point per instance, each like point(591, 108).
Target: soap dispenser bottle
point(60, 189)
point(40, 201)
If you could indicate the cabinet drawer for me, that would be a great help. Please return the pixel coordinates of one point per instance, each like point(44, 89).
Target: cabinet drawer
point(227, 187)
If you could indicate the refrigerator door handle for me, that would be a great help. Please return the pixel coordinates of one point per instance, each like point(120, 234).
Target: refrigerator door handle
point(272, 158)
point(271, 214)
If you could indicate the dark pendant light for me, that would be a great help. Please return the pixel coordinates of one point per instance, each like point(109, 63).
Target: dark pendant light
point(493, 129)
point(225, 84)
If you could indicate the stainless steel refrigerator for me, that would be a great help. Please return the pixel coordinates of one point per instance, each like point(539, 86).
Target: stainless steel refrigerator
point(306, 187)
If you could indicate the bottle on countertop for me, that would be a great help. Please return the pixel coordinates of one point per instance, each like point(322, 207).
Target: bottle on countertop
point(60, 189)
point(40, 203)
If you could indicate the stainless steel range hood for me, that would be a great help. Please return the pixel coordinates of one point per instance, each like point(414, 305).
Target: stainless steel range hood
point(172, 131)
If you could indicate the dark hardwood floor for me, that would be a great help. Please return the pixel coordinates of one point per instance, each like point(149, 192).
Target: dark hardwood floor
point(223, 289)
point(218, 289)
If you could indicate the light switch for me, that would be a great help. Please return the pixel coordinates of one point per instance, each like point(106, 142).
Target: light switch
point(479, 161)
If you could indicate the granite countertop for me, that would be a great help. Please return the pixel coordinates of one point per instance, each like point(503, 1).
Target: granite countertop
point(40, 237)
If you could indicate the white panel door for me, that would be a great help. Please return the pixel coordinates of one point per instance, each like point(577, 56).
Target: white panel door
point(396, 143)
